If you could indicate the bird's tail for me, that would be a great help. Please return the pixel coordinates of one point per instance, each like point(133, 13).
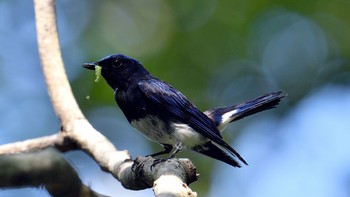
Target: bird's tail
point(224, 115)
point(211, 150)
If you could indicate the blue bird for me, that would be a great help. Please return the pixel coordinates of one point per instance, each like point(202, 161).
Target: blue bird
point(164, 115)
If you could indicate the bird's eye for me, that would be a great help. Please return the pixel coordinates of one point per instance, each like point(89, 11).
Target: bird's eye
point(117, 63)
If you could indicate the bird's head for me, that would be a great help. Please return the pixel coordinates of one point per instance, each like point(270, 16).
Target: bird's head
point(119, 70)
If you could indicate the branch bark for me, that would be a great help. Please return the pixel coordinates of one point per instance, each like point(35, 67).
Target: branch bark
point(52, 63)
point(55, 140)
point(77, 133)
point(47, 168)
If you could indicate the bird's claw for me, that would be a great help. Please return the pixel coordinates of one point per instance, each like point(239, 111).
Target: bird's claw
point(138, 164)
point(156, 162)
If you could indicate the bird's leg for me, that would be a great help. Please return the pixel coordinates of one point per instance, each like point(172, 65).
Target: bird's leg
point(167, 149)
point(178, 148)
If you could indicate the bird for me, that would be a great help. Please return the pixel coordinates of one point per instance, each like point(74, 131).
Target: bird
point(164, 115)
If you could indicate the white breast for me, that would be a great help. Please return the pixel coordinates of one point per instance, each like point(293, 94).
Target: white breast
point(154, 129)
point(187, 136)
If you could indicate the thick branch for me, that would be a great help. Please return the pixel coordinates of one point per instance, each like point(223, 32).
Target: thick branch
point(74, 124)
point(45, 168)
point(144, 172)
point(59, 89)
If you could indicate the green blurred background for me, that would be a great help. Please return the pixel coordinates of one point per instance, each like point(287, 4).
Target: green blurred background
point(217, 52)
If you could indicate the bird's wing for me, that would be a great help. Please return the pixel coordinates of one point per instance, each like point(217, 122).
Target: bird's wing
point(171, 102)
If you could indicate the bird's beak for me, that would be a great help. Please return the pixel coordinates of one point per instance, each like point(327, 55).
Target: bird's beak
point(90, 66)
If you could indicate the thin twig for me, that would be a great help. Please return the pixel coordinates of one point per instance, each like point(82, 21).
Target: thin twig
point(55, 140)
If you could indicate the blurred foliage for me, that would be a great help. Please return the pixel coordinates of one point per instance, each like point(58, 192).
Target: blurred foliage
point(217, 52)
point(197, 39)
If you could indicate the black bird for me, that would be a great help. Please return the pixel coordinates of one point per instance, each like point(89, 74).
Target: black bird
point(164, 115)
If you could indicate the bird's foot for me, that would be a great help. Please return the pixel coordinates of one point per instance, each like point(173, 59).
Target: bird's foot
point(156, 162)
point(138, 163)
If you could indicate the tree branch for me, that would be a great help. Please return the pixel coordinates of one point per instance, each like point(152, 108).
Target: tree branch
point(55, 140)
point(45, 168)
point(58, 86)
point(73, 122)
